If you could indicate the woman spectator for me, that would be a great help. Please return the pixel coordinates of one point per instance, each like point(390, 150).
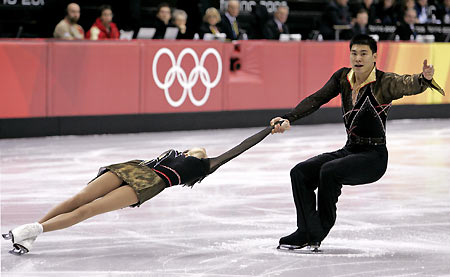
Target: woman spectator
point(210, 21)
point(104, 28)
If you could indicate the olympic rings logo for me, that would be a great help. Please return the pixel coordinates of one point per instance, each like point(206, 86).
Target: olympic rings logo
point(187, 82)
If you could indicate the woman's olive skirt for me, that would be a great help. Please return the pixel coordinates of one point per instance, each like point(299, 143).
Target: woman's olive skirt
point(145, 182)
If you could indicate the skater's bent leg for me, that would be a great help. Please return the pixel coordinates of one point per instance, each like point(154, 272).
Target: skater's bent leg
point(304, 196)
point(354, 169)
point(305, 178)
point(97, 188)
point(119, 198)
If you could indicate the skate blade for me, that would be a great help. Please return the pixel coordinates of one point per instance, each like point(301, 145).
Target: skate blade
point(18, 250)
point(7, 236)
point(299, 248)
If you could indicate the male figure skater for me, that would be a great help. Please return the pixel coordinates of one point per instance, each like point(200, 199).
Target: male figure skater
point(366, 94)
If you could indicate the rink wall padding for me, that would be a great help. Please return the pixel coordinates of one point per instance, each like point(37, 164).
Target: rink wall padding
point(59, 83)
point(114, 124)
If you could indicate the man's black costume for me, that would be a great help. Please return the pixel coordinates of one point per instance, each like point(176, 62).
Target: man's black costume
point(364, 157)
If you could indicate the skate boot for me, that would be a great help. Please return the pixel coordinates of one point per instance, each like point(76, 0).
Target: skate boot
point(23, 232)
point(294, 241)
point(22, 247)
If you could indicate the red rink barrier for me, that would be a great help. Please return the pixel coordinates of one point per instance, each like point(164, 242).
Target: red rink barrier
point(47, 78)
point(23, 74)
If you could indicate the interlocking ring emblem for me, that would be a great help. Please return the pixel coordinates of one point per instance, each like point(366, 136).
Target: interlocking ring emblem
point(187, 82)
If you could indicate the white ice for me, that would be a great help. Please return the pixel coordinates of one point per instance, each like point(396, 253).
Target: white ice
point(230, 224)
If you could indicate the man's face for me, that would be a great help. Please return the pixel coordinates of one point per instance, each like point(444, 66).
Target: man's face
point(233, 8)
point(368, 2)
point(447, 3)
point(410, 16)
point(422, 3)
point(362, 19)
point(106, 16)
point(388, 3)
point(164, 14)
point(362, 59)
point(73, 12)
point(282, 14)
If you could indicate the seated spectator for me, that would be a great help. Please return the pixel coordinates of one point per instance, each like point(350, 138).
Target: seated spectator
point(277, 26)
point(68, 27)
point(229, 24)
point(443, 12)
point(103, 28)
point(406, 5)
point(336, 13)
point(406, 29)
point(424, 12)
point(361, 22)
point(210, 21)
point(162, 21)
point(387, 13)
point(179, 19)
point(260, 16)
point(370, 7)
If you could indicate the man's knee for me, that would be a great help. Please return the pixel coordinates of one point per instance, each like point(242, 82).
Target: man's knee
point(297, 172)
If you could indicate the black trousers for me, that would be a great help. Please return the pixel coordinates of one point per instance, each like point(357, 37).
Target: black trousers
point(351, 165)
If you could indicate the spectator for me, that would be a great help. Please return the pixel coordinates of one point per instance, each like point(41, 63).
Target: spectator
point(424, 12)
point(406, 5)
point(387, 13)
point(276, 26)
point(371, 9)
point(179, 19)
point(210, 21)
point(104, 28)
point(229, 24)
point(260, 16)
point(68, 28)
point(406, 29)
point(443, 13)
point(162, 21)
point(336, 13)
point(362, 19)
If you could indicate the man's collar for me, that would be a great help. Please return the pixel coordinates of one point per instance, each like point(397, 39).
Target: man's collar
point(231, 18)
point(351, 78)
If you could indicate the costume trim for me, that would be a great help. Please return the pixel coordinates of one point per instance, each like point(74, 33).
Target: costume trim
point(176, 173)
point(165, 176)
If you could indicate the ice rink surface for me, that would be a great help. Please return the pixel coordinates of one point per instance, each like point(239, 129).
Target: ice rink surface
point(230, 224)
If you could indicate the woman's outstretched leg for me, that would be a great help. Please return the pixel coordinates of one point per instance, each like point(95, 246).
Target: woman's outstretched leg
point(119, 198)
point(97, 188)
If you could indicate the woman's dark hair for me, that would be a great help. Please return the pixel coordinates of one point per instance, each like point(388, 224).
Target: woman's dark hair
point(364, 40)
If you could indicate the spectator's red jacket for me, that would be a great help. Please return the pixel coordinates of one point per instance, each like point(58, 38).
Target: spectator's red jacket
point(98, 31)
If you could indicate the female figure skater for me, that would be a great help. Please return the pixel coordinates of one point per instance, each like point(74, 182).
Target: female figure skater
point(128, 184)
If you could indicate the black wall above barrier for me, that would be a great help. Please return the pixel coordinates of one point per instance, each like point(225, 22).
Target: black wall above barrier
point(114, 124)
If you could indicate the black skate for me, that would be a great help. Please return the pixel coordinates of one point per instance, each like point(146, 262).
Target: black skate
point(298, 241)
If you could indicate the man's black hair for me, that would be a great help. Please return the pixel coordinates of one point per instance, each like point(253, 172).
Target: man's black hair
point(103, 8)
point(364, 40)
point(162, 5)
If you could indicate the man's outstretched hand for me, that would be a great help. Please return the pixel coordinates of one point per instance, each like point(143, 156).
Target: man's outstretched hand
point(428, 70)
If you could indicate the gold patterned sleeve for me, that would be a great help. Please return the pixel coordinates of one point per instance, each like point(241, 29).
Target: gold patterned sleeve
point(396, 86)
